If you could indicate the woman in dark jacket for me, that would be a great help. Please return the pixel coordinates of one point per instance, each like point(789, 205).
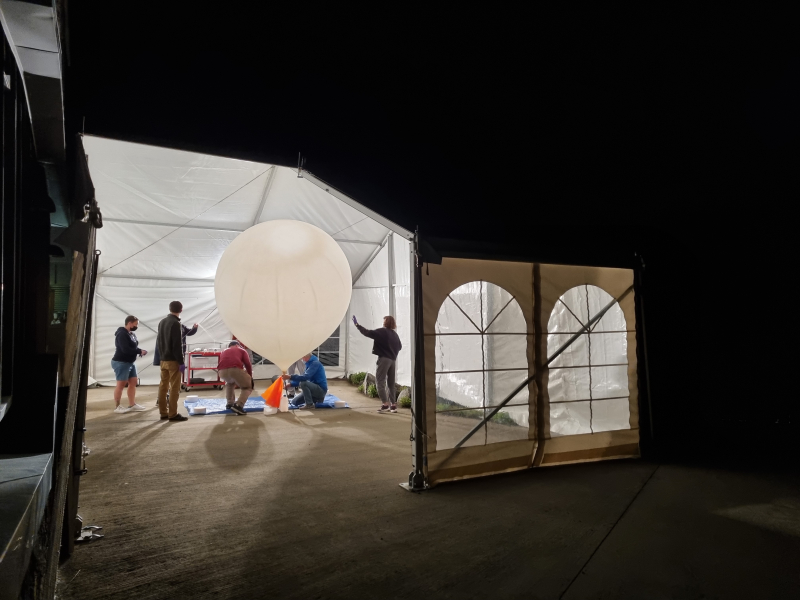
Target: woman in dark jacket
point(123, 363)
point(386, 345)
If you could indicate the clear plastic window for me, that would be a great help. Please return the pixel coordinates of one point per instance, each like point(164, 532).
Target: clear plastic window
point(588, 382)
point(481, 357)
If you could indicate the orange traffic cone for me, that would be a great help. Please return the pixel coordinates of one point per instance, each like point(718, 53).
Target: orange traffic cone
point(272, 396)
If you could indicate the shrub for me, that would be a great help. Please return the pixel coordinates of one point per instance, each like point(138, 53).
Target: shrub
point(360, 388)
point(357, 378)
point(405, 401)
point(372, 391)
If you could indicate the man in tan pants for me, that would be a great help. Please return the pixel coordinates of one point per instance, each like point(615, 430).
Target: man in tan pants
point(169, 341)
point(235, 368)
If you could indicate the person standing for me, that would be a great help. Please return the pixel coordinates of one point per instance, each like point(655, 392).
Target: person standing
point(186, 332)
point(235, 369)
point(313, 383)
point(124, 364)
point(386, 345)
point(170, 351)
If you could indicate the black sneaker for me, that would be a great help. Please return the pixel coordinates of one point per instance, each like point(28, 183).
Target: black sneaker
point(393, 408)
point(238, 410)
point(383, 408)
point(179, 417)
point(228, 406)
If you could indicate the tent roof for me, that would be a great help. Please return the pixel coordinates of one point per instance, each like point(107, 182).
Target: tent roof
point(170, 214)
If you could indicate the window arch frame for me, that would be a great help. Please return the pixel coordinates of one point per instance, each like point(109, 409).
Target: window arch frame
point(619, 314)
point(487, 400)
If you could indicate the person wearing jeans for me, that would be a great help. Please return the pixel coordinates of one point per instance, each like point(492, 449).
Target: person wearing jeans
point(170, 351)
point(123, 362)
point(235, 369)
point(386, 346)
point(313, 383)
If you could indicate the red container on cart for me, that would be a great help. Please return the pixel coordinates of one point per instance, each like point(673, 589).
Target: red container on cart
point(205, 360)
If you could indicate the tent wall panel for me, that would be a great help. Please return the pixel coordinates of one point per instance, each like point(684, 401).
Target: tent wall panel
point(537, 289)
point(370, 303)
point(150, 304)
point(440, 280)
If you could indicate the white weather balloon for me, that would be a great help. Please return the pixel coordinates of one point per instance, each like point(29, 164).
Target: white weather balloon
point(282, 287)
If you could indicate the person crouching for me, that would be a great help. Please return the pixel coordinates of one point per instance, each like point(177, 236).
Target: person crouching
point(235, 368)
point(313, 383)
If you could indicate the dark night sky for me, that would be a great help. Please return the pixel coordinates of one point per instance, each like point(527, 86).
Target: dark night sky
point(579, 137)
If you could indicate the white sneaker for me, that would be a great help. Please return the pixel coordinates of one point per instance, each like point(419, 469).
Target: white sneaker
point(136, 408)
point(121, 409)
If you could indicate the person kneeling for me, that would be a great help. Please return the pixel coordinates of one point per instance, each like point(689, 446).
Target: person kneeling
point(312, 383)
point(235, 369)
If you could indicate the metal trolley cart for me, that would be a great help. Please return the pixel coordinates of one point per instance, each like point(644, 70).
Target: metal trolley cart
point(201, 360)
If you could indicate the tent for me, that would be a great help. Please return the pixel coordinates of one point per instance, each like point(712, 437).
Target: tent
point(512, 364)
point(168, 216)
point(525, 365)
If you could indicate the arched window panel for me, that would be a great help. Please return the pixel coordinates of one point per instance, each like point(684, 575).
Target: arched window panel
point(611, 415)
point(499, 384)
point(459, 390)
point(505, 351)
point(461, 310)
point(593, 370)
point(570, 418)
point(454, 318)
point(609, 382)
point(568, 385)
point(456, 352)
point(481, 357)
point(502, 313)
point(576, 355)
point(452, 426)
point(510, 423)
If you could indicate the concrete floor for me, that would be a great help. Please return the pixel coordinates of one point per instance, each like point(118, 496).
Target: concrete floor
point(308, 506)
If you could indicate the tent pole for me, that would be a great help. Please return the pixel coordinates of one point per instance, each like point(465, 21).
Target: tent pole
point(358, 206)
point(372, 256)
point(347, 339)
point(267, 187)
point(416, 479)
point(390, 273)
point(639, 275)
point(554, 356)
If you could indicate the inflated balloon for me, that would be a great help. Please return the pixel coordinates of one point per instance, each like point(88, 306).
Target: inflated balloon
point(282, 287)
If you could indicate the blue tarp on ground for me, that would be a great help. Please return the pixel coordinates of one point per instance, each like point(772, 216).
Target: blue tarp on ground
point(216, 406)
point(328, 402)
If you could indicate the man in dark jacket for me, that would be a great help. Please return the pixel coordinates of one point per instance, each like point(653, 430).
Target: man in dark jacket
point(123, 362)
point(170, 350)
point(386, 346)
point(186, 333)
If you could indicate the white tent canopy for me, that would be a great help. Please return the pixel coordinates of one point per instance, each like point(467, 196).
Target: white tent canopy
point(169, 215)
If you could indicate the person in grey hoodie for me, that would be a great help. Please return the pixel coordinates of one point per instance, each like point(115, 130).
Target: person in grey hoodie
point(124, 364)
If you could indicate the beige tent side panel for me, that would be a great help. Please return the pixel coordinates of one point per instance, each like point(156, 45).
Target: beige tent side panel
point(473, 461)
point(556, 280)
point(539, 449)
point(591, 447)
point(515, 277)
